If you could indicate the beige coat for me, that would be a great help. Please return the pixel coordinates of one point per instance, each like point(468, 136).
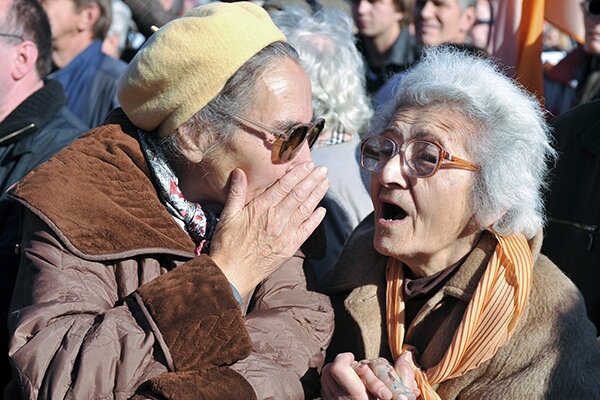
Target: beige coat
point(111, 301)
point(553, 353)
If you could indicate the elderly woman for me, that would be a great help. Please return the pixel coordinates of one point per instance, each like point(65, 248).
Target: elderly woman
point(158, 251)
point(327, 52)
point(445, 281)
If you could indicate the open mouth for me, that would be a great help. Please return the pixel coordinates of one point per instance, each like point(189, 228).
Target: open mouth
point(392, 212)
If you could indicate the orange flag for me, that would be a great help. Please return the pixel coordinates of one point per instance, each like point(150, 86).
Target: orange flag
point(516, 41)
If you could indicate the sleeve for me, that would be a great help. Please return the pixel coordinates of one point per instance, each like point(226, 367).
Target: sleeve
point(75, 337)
point(290, 327)
point(553, 355)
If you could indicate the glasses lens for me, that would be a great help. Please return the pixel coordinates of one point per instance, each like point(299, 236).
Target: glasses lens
point(376, 151)
point(592, 7)
point(421, 158)
point(291, 147)
point(315, 131)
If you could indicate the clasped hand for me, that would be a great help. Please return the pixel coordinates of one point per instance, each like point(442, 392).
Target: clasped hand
point(346, 378)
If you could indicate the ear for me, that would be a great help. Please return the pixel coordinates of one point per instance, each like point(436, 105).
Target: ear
point(467, 19)
point(26, 55)
point(193, 142)
point(88, 16)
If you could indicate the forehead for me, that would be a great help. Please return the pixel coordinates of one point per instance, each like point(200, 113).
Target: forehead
point(441, 123)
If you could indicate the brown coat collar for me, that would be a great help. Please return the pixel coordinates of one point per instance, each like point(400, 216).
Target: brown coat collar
point(97, 195)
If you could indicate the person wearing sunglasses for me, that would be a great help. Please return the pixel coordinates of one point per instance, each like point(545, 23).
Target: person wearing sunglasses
point(159, 253)
point(576, 77)
point(442, 292)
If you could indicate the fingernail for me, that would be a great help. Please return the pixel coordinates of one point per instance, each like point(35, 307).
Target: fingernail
point(384, 394)
point(321, 171)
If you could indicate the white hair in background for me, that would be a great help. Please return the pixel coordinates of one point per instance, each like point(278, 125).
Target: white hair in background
point(121, 23)
point(336, 69)
point(510, 142)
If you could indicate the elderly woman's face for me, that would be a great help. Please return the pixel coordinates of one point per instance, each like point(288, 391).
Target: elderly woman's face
point(425, 222)
point(282, 99)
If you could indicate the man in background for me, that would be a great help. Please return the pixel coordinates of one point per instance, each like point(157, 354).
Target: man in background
point(384, 38)
point(88, 76)
point(34, 124)
point(443, 21)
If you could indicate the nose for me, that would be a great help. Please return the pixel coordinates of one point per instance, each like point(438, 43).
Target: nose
point(393, 173)
point(427, 9)
point(363, 6)
point(303, 155)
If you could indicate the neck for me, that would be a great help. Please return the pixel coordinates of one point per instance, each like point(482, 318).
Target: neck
point(18, 94)
point(422, 265)
point(378, 47)
point(65, 50)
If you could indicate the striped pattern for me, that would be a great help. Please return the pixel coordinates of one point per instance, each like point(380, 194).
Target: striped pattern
point(490, 318)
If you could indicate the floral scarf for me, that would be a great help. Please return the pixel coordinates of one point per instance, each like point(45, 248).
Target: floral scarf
point(198, 223)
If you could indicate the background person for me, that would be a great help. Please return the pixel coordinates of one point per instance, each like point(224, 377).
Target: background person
point(445, 281)
point(384, 38)
point(34, 124)
point(327, 52)
point(88, 76)
point(158, 252)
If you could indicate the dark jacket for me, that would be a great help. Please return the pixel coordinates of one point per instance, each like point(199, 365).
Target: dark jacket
point(553, 353)
point(39, 127)
point(572, 238)
point(110, 292)
point(402, 55)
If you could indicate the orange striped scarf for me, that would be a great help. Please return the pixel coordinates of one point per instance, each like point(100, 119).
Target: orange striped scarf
point(490, 318)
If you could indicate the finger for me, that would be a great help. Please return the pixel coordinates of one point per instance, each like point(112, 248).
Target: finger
point(348, 382)
point(236, 195)
point(373, 384)
point(284, 185)
point(304, 197)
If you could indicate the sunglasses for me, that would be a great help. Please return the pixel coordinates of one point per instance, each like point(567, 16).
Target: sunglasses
point(287, 144)
point(419, 158)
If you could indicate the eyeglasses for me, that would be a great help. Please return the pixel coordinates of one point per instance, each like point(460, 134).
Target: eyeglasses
point(287, 144)
point(591, 7)
point(12, 35)
point(420, 158)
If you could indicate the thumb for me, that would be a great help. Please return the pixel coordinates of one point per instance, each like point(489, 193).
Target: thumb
point(236, 196)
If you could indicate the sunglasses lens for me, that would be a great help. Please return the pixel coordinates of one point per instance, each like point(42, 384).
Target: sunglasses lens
point(291, 147)
point(315, 131)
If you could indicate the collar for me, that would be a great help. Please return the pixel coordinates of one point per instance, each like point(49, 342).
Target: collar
point(32, 114)
point(103, 179)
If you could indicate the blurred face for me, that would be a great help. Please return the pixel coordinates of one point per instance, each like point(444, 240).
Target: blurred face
point(375, 18)
point(283, 99)
point(592, 33)
point(427, 223)
point(442, 21)
point(480, 31)
point(64, 19)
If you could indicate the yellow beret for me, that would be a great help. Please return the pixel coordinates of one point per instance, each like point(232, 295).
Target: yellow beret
point(186, 63)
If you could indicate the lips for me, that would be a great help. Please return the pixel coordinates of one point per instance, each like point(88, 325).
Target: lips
point(392, 212)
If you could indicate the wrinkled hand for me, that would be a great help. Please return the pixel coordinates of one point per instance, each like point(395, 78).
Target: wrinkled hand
point(253, 240)
point(347, 379)
point(399, 379)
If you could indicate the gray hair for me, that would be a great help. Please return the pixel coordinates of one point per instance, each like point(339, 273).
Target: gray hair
point(237, 96)
point(511, 142)
point(336, 70)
